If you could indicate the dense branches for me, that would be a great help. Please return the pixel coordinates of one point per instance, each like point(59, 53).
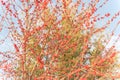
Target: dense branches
point(57, 40)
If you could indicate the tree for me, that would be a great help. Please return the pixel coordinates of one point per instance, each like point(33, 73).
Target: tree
point(57, 40)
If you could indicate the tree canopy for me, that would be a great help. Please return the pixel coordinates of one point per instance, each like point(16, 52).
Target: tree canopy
point(57, 40)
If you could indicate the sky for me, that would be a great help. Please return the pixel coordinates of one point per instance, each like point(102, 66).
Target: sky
point(112, 7)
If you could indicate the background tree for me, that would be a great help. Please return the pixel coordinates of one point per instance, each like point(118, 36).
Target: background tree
point(57, 40)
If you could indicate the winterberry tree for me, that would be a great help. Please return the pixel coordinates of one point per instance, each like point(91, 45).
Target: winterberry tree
point(57, 40)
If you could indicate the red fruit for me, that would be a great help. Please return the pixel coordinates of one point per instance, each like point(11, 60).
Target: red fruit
point(3, 3)
point(35, 79)
point(113, 54)
point(41, 66)
point(55, 55)
point(83, 79)
point(16, 48)
point(107, 15)
point(86, 67)
point(39, 60)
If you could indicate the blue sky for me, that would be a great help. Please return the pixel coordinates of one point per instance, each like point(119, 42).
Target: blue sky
point(113, 6)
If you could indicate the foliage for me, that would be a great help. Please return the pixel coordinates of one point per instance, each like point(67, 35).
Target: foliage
point(57, 40)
